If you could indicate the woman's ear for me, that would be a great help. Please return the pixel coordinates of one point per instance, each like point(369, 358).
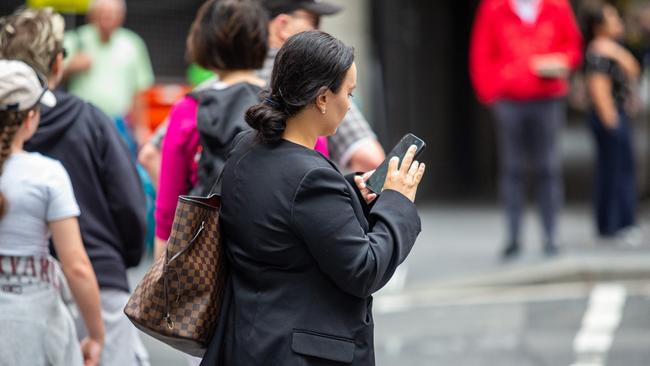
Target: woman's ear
point(31, 121)
point(321, 101)
point(57, 68)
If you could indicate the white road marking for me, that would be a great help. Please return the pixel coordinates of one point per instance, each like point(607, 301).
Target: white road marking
point(600, 322)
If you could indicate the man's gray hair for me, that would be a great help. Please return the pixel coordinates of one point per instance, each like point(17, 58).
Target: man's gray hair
point(96, 3)
point(34, 36)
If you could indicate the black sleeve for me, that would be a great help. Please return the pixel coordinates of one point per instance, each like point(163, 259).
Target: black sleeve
point(123, 190)
point(595, 63)
point(246, 136)
point(359, 263)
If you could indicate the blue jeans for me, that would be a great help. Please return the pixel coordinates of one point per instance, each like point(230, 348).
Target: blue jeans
point(615, 194)
point(528, 134)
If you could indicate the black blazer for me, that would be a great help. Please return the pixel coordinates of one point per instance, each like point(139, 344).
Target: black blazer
point(306, 254)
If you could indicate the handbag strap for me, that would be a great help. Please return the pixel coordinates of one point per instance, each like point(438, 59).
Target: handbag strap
point(216, 187)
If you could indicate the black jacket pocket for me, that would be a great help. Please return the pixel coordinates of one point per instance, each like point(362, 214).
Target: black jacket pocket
point(323, 346)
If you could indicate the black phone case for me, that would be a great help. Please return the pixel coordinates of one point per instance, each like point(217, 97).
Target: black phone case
point(376, 181)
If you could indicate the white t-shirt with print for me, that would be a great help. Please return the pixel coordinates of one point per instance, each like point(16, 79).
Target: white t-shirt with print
point(38, 191)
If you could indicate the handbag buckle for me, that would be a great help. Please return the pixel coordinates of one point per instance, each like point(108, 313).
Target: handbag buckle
point(170, 322)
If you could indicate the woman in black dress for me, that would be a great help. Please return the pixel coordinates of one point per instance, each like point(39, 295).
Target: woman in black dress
point(307, 246)
point(611, 70)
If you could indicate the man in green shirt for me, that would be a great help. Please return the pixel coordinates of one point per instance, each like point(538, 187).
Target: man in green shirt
point(109, 65)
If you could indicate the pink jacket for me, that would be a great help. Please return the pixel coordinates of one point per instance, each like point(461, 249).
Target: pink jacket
point(179, 165)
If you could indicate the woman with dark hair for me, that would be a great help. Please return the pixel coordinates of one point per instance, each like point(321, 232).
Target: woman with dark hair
point(228, 37)
point(610, 70)
point(307, 246)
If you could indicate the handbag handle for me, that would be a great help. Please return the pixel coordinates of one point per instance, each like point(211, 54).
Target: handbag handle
point(190, 244)
point(216, 187)
point(166, 272)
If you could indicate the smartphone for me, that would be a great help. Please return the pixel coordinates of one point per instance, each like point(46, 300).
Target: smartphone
point(377, 179)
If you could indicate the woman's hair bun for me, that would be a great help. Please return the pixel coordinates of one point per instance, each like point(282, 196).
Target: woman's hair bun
point(308, 64)
point(268, 121)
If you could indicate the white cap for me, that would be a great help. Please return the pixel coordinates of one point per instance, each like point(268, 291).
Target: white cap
point(21, 88)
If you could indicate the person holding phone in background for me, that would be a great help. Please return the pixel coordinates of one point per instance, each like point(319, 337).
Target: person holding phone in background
point(521, 53)
point(307, 247)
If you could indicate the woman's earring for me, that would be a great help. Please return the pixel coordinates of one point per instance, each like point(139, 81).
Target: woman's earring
point(322, 111)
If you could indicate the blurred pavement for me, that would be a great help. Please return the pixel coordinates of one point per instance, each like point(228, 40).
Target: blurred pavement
point(462, 244)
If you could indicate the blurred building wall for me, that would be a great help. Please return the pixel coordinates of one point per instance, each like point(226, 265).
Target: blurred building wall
point(164, 25)
point(352, 26)
point(422, 47)
point(8, 6)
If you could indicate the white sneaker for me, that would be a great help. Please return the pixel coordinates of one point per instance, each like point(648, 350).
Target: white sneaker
point(632, 236)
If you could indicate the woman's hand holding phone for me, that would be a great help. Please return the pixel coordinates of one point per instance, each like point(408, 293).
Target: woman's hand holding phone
point(361, 180)
point(407, 177)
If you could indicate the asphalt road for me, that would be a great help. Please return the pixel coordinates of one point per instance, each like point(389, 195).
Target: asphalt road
point(541, 325)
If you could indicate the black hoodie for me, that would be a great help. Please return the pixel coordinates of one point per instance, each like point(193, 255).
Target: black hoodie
point(220, 118)
point(105, 181)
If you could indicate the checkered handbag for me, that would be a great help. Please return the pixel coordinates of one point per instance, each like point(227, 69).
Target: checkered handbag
point(178, 300)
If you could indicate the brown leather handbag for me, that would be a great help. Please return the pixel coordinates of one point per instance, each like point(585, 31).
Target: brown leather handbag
point(179, 299)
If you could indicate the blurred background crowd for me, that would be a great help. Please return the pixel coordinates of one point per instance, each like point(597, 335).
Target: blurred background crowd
point(415, 58)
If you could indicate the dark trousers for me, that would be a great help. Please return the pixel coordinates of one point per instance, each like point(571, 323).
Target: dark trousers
point(615, 193)
point(528, 134)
